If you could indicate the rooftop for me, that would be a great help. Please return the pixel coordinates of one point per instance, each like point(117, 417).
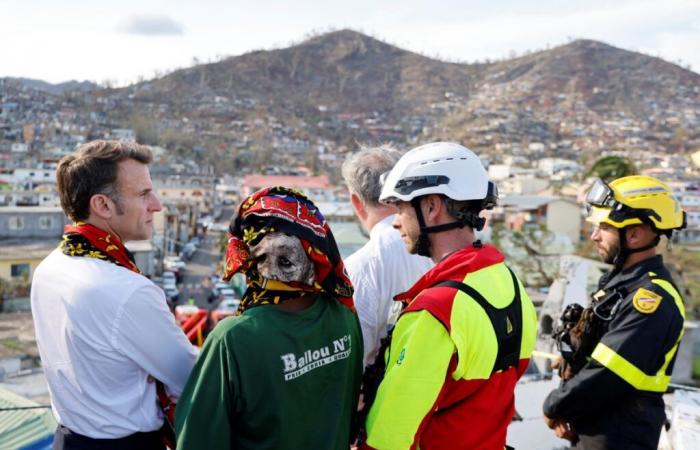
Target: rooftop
point(292, 181)
point(12, 248)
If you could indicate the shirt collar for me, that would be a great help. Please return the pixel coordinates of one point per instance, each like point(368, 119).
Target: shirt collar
point(634, 272)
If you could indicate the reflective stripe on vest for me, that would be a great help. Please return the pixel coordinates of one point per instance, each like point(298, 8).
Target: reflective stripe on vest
point(611, 360)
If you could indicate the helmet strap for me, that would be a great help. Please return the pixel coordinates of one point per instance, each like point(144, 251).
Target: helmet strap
point(423, 244)
point(625, 251)
point(467, 217)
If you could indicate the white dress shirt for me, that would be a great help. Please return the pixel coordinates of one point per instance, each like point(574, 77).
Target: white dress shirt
point(101, 330)
point(379, 270)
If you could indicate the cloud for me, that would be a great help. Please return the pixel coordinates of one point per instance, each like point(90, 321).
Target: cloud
point(151, 25)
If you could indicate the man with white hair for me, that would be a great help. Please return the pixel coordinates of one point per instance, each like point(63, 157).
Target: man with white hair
point(382, 268)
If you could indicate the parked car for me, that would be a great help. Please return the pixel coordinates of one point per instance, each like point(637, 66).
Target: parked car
point(219, 226)
point(188, 251)
point(169, 278)
point(226, 308)
point(205, 221)
point(216, 290)
point(171, 292)
point(227, 294)
point(173, 263)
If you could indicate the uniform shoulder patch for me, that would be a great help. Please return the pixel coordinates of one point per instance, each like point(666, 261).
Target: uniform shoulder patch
point(646, 301)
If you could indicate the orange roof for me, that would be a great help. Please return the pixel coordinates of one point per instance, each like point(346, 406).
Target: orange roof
point(291, 181)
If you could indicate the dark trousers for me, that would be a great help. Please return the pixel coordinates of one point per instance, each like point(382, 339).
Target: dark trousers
point(65, 439)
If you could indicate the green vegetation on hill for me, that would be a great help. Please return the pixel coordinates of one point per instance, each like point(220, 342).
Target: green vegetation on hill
point(612, 167)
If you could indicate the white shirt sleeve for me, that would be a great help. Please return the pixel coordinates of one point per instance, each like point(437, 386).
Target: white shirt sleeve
point(367, 305)
point(146, 332)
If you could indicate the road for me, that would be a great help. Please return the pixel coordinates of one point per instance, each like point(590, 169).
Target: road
point(196, 282)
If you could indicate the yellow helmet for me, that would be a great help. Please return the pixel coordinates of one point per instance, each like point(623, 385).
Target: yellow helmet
point(635, 200)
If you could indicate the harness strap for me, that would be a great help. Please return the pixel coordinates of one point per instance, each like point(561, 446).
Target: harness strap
point(507, 322)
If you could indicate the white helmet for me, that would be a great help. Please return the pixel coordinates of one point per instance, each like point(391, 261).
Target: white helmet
point(438, 168)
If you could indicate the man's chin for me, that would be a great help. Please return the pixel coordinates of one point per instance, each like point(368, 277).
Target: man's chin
point(610, 260)
point(606, 257)
point(411, 247)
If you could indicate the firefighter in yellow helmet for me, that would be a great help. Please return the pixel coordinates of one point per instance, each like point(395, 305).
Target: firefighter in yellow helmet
point(620, 352)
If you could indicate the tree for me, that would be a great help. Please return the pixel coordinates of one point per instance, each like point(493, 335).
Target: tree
point(611, 167)
point(146, 129)
point(527, 251)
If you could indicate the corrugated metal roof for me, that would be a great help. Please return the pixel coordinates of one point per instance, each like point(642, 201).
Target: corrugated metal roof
point(22, 428)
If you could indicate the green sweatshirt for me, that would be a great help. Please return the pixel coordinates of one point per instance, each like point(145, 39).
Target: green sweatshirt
point(274, 379)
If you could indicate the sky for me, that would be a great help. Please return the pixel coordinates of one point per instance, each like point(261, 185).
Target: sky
point(129, 40)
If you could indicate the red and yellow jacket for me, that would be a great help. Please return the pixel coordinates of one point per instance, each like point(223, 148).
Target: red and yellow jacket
point(439, 390)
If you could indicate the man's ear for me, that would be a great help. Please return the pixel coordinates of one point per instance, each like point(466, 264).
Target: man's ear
point(432, 207)
point(101, 206)
point(358, 206)
point(639, 235)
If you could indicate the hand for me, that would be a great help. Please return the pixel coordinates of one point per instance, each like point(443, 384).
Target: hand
point(565, 370)
point(551, 423)
point(556, 363)
point(562, 429)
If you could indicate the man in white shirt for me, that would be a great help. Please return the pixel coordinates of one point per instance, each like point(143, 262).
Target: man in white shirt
point(103, 330)
point(382, 268)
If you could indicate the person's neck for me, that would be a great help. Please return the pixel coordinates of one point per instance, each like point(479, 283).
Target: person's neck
point(445, 243)
point(297, 304)
point(102, 225)
point(634, 258)
point(376, 215)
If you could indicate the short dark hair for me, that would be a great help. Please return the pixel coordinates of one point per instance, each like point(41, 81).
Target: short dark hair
point(91, 170)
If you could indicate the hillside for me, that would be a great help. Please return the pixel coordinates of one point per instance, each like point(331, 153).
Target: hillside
point(320, 97)
point(345, 70)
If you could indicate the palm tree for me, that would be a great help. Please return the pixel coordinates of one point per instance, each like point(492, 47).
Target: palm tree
point(611, 167)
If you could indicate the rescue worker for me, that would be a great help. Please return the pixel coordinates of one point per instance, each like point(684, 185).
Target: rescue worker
point(469, 329)
point(635, 323)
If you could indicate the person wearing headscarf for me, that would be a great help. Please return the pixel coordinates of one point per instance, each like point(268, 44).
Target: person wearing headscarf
point(284, 373)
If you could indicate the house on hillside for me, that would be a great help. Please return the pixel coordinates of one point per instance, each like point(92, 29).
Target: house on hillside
point(27, 235)
point(31, 176)
point(688, 194)
point(31, 222)
point(185, 189)
point(317, 188)
point(528, 212)
point(524, 185)
point(123, 134)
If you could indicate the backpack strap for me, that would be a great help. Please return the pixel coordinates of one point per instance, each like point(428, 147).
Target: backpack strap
point(507, 322)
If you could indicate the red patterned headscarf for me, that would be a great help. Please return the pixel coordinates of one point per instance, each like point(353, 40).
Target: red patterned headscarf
point(284, 210)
